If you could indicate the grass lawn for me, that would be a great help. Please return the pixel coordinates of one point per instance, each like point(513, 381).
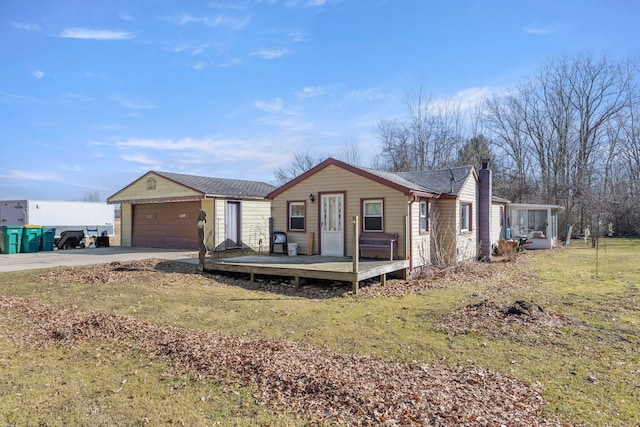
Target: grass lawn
point(585, 356)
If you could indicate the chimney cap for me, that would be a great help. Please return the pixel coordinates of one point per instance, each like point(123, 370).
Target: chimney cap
point(485, 163)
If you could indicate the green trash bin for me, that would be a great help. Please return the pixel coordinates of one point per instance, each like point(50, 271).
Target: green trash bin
point(10, 239)
point(47, 239)
point(30, 238)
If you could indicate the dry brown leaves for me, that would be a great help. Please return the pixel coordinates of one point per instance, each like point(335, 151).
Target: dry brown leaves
point(114, 272)
point(434, 278)
point(493, 319)
point(322, 386)
point(117, 272)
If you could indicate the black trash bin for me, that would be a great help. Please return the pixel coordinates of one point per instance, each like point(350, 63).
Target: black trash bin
point(102, 242)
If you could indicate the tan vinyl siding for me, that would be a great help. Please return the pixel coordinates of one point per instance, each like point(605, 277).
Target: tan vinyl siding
point(126, 218)
point(255, 224)
point(219, 224)
point(444, 229)
point(467, 241)
point(420, 243)
point(497, 213)
point(333, 179)
point(207, 206)
point(163, 189)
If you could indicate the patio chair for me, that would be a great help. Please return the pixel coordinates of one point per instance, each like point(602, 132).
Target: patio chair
point(278, 238)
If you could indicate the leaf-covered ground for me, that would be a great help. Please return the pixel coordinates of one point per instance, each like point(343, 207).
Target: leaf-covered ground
point(321, 386)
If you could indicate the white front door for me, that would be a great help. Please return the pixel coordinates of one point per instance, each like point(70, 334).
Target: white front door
point(332, 224)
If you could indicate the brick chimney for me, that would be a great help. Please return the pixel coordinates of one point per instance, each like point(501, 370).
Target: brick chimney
point(484, 211)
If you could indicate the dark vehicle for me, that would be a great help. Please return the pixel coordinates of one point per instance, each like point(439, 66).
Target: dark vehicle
point(70, 239)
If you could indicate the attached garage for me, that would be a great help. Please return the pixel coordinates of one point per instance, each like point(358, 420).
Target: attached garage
point(160, 210)
point(165, 225)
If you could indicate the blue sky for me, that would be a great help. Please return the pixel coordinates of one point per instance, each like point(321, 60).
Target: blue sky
point(93, 94)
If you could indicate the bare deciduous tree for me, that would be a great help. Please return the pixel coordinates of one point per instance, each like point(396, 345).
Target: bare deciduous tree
point(350, 152)
point(427, 139)
point(302, 162)
point(93, 196)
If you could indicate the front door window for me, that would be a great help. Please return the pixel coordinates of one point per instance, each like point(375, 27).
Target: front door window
point(331, 224)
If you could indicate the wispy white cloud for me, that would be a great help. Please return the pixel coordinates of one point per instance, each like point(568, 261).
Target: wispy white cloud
point(93, 34)
point(27, 27)
point(195, 151)
point(12, 98)
point(305, 3)
point(311, 92)
point(201, 155)
point(199, 66)
point(234, 4)
point(230, 62)
point(143, 159)
point(291, 125)
point(465, 100)
point(537, 29)
point(473, 96)
point(18, 177)
point(38, 74)
point(187, 18)
point(110, 127)
point(298, 37)
point(369, 94)
point(133, 104)
point(270, 53)
point(275, 106)
point(72, 168)
point(78, 97)
point(23, 175)
point(90, 75)
point(204, 145)
point(212, 21)
point(194, 49)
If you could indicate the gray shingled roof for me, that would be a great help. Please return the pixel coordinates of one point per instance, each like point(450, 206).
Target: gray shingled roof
point(396, 178)
point(437, 181)
point(448, 180)
point(220, 186)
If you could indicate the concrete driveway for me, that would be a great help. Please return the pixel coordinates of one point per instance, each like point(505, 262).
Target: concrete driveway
point(75, 257)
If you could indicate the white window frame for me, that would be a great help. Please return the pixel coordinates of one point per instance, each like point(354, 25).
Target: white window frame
point(365, 216)
point(424, 216)
point(465, 217)
point(303, 216)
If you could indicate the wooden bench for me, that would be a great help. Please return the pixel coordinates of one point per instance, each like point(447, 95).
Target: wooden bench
point(378, 242)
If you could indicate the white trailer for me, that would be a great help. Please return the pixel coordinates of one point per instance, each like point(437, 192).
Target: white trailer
point(91, 217)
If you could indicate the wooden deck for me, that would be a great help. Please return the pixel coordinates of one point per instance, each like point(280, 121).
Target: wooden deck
point(309, 267)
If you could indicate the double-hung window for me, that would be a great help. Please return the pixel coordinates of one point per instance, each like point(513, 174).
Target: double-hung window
point(372, 211)
point(296, 216)
point(466, 223)
point(424, 216)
